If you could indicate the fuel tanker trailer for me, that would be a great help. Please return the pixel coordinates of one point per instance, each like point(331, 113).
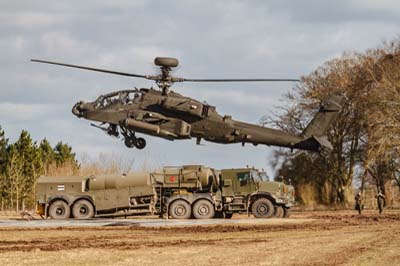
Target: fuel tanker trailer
point(100, 195)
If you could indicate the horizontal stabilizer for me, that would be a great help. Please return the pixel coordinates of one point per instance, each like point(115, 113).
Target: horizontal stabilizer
point(318, 144)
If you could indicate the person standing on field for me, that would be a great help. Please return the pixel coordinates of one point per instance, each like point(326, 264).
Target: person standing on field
point(380, 197)
point(358, 199)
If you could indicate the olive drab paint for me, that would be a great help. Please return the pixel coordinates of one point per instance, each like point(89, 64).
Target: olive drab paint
point(176, 192)
point(166, 114)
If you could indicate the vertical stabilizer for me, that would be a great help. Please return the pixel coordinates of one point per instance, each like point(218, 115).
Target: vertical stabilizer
point(327, 114)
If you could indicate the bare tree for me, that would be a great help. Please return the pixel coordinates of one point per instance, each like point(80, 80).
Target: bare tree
point(367, 133)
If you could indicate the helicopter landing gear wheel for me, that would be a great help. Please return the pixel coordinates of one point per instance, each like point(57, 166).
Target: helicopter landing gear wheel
point(140, 143)
point(130, 143)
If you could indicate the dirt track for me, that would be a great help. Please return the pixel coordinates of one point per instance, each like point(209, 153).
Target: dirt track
point(330, 238)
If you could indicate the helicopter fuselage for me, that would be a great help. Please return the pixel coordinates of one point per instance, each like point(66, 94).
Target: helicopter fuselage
point(174, 116)
point(170, 115)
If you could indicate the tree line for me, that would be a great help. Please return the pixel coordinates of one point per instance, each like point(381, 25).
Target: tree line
point(365, 137)
point(21, 164)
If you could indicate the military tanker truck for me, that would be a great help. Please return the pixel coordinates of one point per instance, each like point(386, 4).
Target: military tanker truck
point(191, 191)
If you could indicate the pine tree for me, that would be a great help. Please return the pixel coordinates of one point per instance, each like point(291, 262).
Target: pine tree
point(47, 154)
point(3, 162)
point(64, 154)
point(32, 166)
point(3, 152)
point(21, 164)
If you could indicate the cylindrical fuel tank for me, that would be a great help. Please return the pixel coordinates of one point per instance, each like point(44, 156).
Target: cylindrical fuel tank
point(115, 181)
point(197, 172)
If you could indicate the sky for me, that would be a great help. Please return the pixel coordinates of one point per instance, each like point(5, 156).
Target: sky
point(211, 39)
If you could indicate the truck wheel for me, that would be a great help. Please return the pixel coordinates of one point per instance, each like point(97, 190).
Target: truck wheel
point(278, 212)
point(59, 210)
point(203, 209)
point(262, 208)
point(228, 215)
point(180, 209)
point(286, 212)
point(219, 215)
point(83, 209)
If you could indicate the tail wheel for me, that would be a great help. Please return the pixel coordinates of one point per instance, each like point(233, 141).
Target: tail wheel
point(262, 208)
point(203, 209)
point(180, 209)
point(286, 212)
point(278, 212)
point(83, 209)
point(59, 210)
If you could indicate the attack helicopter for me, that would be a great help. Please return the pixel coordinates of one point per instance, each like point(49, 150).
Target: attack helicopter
point(167, 114)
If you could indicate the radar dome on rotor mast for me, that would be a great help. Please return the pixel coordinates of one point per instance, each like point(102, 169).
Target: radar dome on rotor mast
point(166, 62)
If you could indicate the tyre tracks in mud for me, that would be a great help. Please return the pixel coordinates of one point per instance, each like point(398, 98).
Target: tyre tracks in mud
point(133, 237)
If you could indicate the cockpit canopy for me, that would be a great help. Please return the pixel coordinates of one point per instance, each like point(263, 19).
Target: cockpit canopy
point(125, 97)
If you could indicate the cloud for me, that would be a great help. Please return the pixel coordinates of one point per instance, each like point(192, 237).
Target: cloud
point(23, 112)
point(212, 39)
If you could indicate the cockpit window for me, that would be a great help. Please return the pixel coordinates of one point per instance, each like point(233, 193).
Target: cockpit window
point(134, 97)
point(121, 97)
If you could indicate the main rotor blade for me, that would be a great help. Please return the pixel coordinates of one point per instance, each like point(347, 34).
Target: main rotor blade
point(91, 68)
point(238, 80)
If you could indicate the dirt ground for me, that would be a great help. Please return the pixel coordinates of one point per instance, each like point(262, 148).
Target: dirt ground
point(330, 238)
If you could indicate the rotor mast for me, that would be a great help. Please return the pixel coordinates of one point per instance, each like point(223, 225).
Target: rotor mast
point(165, 80)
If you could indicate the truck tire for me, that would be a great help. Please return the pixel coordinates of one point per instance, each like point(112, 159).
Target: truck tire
point(228, 215)
point(59, 210)
point(286, 212)
point(262, 208)
point(203, 209)
point(219, 215)
point(83, 209)
point(180, 209)
point(278, 212)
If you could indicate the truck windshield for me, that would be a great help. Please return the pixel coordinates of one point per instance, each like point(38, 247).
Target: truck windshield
point(263, 176)
point(256, 177)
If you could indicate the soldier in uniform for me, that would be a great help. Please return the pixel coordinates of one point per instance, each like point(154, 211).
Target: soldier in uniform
point(380, 200)
point(358, 199)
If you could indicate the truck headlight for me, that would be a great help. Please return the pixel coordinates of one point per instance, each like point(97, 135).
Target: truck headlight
point(228, 199)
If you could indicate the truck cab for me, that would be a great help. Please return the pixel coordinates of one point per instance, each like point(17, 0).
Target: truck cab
point(247, 189)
